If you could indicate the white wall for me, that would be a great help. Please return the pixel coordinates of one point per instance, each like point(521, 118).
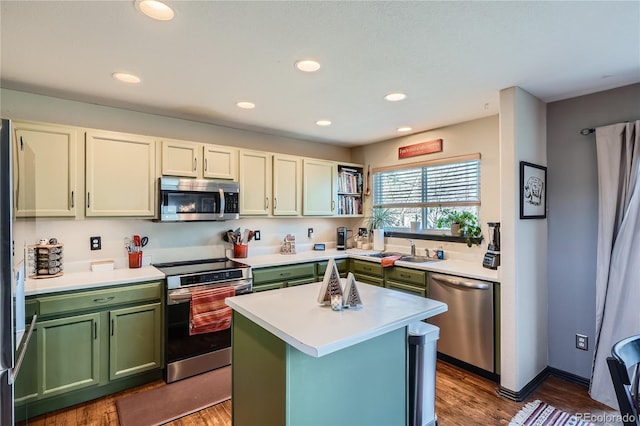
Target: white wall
point(523, 243)
point(476, 136)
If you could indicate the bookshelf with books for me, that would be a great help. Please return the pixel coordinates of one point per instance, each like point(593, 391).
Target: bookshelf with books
point(350, 185)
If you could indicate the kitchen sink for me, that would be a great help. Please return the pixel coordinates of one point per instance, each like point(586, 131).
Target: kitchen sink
point(404, 257)
point(418, 259)
point(384, 254)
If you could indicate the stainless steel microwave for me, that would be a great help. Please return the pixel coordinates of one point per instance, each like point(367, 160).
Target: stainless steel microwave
point(184, 200)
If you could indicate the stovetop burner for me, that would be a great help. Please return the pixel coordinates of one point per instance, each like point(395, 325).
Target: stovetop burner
point(203, 271)
point(201, 265)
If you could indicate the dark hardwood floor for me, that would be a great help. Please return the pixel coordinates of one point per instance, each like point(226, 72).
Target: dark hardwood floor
point(462, 398)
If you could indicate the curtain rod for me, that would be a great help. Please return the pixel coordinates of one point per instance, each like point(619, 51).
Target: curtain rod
point(589, 130)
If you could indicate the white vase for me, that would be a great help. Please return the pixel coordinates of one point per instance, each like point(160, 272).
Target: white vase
point(378, 239)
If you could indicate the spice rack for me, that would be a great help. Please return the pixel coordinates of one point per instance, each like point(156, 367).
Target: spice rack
point(45, 260)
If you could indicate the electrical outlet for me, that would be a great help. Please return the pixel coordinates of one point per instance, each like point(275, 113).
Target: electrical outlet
point(256, 235)
point(582, 342)
point(310, 232)
point(96, 243)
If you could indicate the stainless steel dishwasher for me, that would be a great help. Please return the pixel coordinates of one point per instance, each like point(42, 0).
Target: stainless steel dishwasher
point(467, 328)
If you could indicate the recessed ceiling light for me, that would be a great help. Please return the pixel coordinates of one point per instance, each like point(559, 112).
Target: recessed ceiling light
point(323, 122)
point(396, 96)
point(245, 105)
point(404, 129)
point(155, 9)
point(308, 65)
point(126, 78)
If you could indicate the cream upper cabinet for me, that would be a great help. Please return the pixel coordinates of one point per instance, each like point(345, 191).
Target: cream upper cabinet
point(287, 185)
point(120, 174)
point(199, 160)
point(181, 158)
point(220, 162)
point(318, 187)
point(255, 183)
point(45, 170)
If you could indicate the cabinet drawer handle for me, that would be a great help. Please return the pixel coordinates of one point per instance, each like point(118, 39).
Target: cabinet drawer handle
point(285, 274)
point(275, 203)
point(73, 202)
point(195, 164)
point(104, 299)
point(95, 330)
point(267, 203)
point(366, 269)
point(405, 276)
point(112, 326)
point(206, 165)
point(88, 199)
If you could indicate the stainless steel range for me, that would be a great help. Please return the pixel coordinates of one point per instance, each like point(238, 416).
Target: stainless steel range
point(187, 355)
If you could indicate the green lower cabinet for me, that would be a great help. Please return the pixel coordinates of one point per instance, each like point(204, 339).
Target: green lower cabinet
point(408, 280)
point(76, 355)
point(134, 341)
point(283, 276)
point(69, 354)
point(342, 264)
point(368, 272)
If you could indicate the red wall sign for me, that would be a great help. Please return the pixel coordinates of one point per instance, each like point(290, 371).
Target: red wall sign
point(420, 148)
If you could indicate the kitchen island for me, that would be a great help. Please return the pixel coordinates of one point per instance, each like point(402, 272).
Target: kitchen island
point(298, 363)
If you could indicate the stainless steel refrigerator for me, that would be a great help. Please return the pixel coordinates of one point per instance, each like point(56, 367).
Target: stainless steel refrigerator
point(13, 339)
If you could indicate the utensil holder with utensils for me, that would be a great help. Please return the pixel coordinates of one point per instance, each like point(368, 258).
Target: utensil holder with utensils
point(135, 259)
point(240, 250)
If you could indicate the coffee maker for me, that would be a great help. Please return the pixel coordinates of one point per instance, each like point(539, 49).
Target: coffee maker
point(492, 256)
point(342, 238)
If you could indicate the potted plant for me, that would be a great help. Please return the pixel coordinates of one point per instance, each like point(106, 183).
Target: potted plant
point(376, 222)
point(461, 222)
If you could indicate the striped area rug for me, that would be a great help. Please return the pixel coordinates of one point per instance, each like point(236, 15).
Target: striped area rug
point(538, 413)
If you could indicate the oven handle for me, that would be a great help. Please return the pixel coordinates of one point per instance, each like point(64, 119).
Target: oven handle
point(183, 295)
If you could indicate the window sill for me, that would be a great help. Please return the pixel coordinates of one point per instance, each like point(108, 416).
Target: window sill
point(431, 237)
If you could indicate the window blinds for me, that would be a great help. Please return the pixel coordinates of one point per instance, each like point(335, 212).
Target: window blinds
point(452, 184)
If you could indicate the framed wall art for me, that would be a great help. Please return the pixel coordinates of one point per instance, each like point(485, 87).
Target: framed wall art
point(533, 191)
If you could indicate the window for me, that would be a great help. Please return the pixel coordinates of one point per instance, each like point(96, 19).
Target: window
point(423, 191)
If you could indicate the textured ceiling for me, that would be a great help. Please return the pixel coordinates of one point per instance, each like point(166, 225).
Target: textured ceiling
point(451, 58)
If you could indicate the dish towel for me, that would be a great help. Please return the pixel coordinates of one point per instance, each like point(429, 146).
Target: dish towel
point(389, 261)
point(208, 312)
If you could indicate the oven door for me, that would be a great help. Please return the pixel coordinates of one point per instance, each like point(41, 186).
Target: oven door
point(188, 355)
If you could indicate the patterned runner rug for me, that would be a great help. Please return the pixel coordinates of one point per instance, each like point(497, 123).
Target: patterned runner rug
point(538, 413)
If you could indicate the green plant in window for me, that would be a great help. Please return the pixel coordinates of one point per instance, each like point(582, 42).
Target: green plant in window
point(468, 222)
point(379, 219)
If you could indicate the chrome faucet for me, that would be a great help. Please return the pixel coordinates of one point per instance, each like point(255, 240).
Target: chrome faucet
point(413, 247)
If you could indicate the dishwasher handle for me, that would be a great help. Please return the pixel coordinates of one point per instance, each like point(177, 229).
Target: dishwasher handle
point(460, 282)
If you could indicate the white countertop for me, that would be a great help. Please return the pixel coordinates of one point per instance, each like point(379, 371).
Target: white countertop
point(462, 268)
point(278, 259)
point(86, 279)
point(89, 280)
point(293, 315)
